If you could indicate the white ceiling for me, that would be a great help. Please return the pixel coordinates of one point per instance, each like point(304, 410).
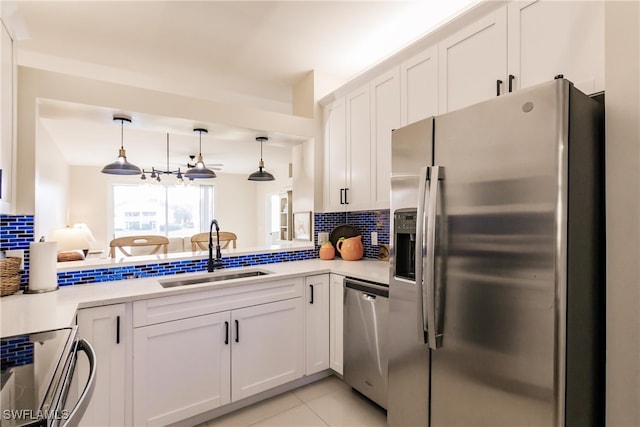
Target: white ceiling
point(249, 52)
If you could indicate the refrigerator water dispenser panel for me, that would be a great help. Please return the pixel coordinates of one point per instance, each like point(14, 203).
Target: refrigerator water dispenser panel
point(405, 238)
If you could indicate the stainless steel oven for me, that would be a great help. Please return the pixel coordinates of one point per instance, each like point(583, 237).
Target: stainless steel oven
point(35, 379)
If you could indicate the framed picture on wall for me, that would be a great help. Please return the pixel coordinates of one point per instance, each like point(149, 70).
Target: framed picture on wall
point(302, 225)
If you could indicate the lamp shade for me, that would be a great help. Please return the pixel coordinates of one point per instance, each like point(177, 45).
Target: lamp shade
point(71, 239)
point(121, 166)
point(261, 174)
point(199, 171)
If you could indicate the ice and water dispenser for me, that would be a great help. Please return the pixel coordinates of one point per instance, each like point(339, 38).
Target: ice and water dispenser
point(405, 243)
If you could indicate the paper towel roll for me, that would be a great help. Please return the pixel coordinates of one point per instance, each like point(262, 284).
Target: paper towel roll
point(43, 257)
point(16, 253)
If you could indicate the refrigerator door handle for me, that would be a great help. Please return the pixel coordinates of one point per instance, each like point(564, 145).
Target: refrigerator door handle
point(420, 254)
point(434, 339)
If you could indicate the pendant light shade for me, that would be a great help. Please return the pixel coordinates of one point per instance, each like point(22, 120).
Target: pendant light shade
point(200, 171)
point(261, 174)
point(121, 166)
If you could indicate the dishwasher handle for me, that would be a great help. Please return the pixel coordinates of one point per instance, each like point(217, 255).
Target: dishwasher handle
point(367, 287)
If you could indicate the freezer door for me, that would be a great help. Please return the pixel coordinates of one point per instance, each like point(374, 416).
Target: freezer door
point(411, 150)
point(408, 397)
point(505, 164)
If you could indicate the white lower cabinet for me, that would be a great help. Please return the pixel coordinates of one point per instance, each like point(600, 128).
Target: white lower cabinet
point(267, 348)
point(181, 369)
point(317, 323)
point(336, 304)
point(105, 328)
point(187, 362)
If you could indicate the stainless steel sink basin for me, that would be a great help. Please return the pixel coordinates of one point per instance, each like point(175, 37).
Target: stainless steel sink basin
point(216, 277)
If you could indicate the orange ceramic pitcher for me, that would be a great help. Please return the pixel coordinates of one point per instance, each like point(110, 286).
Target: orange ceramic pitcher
point(350, 249)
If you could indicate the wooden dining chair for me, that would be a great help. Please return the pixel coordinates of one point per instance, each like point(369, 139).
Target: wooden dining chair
point(156, 243)
point(200, 241)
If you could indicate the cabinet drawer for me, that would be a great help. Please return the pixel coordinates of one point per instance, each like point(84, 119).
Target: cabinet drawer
point(166, 309)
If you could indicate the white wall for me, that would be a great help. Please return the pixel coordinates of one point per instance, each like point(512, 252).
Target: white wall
point(236, 205)
point(303, 176)
point(52, 180)
point(622, 99)
point(89, 200)
point(262, 190)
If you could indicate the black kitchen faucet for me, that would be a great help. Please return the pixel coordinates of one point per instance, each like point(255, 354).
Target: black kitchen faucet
point(211, 263)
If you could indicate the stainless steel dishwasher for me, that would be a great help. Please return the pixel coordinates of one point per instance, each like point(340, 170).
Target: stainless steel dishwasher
point(366, 310)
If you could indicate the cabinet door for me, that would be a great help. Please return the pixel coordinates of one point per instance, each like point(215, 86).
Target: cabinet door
point(385, 116)
point(570, 42)
point(7, 104)
point(472, 61)
point(419, 87)
point(268, 346)
point(358, 195)
point(181, 368)
point(335, 162)
point(317, 323)
point(104, 329)
point(336, 304)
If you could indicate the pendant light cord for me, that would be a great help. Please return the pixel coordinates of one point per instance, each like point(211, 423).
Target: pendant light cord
point(121, 134)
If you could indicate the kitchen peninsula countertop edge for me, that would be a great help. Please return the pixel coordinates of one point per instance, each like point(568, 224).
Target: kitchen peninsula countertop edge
point(24, 313)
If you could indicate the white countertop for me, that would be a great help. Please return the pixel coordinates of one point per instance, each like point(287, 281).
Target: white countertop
point(22, 313)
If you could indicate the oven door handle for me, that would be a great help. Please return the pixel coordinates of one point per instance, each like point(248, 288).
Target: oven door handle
point(81, 406)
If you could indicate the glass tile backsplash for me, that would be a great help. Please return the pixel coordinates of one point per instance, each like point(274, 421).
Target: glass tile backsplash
point(18, 231)
point(364, 221)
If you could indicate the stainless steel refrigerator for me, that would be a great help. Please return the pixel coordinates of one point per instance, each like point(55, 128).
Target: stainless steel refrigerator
point(497, 264)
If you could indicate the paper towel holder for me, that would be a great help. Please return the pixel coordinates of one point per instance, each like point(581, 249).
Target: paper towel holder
point(53, 250)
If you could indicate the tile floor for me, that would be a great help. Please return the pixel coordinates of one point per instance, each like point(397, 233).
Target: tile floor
point(328, 402)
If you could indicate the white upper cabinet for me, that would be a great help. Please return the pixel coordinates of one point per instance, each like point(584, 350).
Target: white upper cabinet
point(357, 190)
point(7, 119)
point(419, 87)
point(523, 44)
point(473, 62)
point(335, 162)
point(513, 45)
point(385, 116)
point(547, 38)
point(347, 130)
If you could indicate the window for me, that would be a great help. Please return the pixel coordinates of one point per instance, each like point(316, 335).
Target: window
point(172, 211)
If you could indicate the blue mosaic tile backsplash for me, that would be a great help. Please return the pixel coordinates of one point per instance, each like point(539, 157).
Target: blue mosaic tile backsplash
point(176, 267)
point(365, 221)
point(18, 231)
point(16, 351)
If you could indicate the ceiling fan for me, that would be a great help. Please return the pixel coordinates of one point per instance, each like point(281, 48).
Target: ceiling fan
point(214, 166)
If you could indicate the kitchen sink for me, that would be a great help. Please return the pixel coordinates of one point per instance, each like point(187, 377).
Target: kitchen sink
point(215, 277)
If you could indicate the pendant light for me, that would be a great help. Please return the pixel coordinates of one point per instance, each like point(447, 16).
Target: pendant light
point(121, 166)
point(260, 174)
point(200, 170)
